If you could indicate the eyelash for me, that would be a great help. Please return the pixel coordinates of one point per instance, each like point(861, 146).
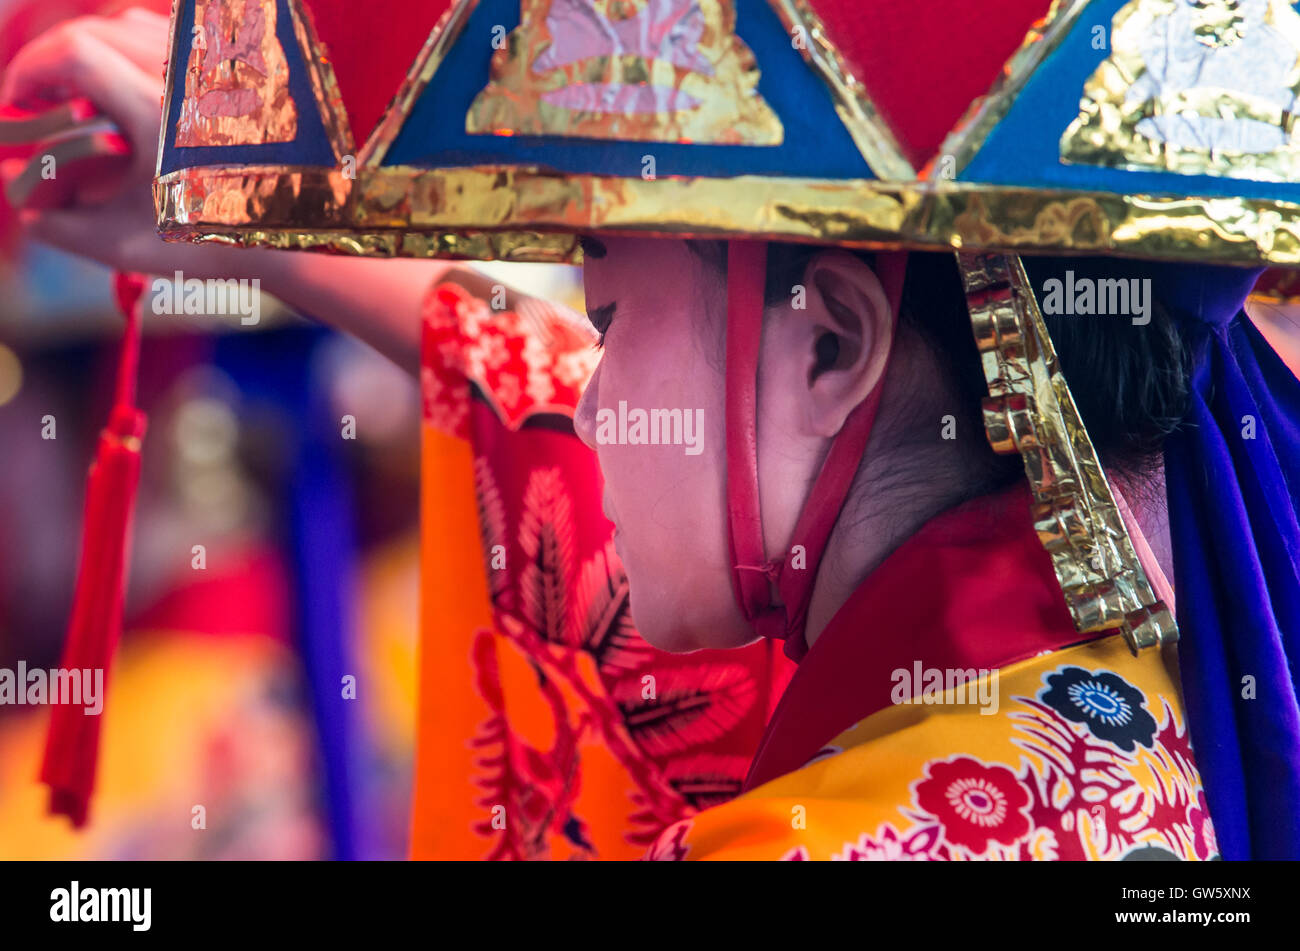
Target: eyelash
point(600, 334)
point(600, 320)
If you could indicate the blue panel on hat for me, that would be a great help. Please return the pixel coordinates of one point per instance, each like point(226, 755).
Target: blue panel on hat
point(1025, 148)
point(815, 144)
point(311, 146)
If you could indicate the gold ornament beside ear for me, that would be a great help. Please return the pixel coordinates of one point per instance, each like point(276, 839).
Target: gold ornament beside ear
point(1030, 410)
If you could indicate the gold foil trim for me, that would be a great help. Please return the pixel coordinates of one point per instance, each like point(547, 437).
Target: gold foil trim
point(173, 52)
point(302, 198)
point(485, 246)
point(192, 202)
point(324, 85)
point(626, 70)
point(528, 199)
point(1239, 231)
point(872, 136)
point(236, 78)
point(1214, 97)
point(1030, 410)
point(863, 213)
point(309, 208)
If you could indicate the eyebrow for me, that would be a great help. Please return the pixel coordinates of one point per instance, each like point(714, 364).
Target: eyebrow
point(591, 247)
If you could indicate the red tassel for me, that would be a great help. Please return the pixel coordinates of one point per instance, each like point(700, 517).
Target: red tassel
point(72, 745)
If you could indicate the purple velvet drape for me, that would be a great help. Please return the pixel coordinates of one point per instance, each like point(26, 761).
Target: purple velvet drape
point(1233, 482)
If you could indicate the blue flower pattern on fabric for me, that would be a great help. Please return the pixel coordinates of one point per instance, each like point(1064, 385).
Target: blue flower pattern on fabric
point(1111, 708)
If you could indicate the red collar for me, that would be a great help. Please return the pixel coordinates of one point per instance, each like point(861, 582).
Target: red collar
point(973, 588)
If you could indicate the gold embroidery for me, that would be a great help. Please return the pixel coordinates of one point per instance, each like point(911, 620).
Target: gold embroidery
point(1202, 87)
point(644, 70)
point(237, 78)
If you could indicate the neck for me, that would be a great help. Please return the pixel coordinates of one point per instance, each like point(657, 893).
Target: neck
point(876, 521)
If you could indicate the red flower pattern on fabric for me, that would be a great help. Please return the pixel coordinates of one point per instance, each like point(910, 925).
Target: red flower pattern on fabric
point(888, 846)
point(977, 804)
point(1203, 838)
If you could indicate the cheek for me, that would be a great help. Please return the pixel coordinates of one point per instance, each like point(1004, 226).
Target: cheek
point(669, 484)
point(670, 503)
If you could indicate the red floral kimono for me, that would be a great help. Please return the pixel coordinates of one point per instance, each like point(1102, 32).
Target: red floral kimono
point(539, 739)
point(538, 734)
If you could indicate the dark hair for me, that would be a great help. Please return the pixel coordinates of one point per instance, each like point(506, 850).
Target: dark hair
point(1129, 382)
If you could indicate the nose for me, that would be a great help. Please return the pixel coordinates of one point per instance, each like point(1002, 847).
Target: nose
point(584, 417)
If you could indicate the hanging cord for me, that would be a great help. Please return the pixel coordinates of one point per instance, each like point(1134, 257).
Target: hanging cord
point(72, 744)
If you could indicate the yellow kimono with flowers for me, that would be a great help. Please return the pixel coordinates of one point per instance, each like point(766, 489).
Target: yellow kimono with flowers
point(1083, 754)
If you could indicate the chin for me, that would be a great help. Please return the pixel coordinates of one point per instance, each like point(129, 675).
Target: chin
point(681, 629)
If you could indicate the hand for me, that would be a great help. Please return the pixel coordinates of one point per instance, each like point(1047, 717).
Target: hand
point(117, 63)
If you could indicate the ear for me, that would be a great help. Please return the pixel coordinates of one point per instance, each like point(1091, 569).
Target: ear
point(842, 337)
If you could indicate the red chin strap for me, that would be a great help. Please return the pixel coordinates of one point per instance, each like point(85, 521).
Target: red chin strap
point(753, 573)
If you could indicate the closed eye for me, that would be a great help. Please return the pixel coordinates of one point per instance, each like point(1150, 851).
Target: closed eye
point(600, 318)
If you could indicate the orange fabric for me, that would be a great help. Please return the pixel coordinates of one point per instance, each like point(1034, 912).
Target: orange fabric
point(453, 605)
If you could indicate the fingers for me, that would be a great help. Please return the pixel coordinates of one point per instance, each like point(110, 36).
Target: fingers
point(78, 63)
point(145, 19)
point(139, 35)
point(72, 60)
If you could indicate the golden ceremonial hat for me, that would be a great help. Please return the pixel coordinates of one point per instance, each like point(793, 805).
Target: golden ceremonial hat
point(500, 128)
